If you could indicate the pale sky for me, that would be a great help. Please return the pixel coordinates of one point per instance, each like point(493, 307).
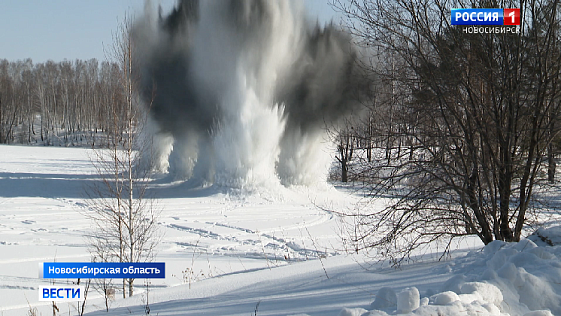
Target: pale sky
point(78, 29)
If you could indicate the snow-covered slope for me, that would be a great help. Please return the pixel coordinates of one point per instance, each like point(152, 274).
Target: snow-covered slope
point(207, 233)
point(270, 253)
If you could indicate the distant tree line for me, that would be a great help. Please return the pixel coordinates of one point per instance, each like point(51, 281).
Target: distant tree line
point(58, 103)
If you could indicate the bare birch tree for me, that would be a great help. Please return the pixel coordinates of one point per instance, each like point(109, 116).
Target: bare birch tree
point(125, 218)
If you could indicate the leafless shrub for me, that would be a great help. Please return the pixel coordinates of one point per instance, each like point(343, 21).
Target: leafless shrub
point(478, 113)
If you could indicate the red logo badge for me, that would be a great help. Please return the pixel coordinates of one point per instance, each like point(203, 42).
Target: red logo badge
point(511, 17)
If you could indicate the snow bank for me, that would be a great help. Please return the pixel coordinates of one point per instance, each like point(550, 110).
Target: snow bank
point(408, 300)
point(550, 236)
point(516, 279)
point(385, 298)
point(352, 312)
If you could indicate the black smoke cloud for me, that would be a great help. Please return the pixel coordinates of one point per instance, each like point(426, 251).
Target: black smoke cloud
point(192, 59)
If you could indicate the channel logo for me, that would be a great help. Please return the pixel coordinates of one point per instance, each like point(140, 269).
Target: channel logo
point(61, 293)
point(485, 17)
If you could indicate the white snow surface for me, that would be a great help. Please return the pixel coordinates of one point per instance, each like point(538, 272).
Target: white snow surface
point(274, 252)
point(504, 279)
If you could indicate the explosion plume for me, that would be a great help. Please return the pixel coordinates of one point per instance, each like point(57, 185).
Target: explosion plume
point(240, 91)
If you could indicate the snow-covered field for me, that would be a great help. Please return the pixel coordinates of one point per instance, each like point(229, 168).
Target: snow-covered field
point(273, 253)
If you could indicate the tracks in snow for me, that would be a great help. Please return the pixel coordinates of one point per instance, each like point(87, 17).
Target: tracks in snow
point(295, 243)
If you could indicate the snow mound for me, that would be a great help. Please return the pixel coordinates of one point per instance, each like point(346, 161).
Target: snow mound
point(408, 300)
point(550, 236)
point(539, 313)
point(444, 298)
point(385, 298)
point(505, 279)
point(353, 312)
